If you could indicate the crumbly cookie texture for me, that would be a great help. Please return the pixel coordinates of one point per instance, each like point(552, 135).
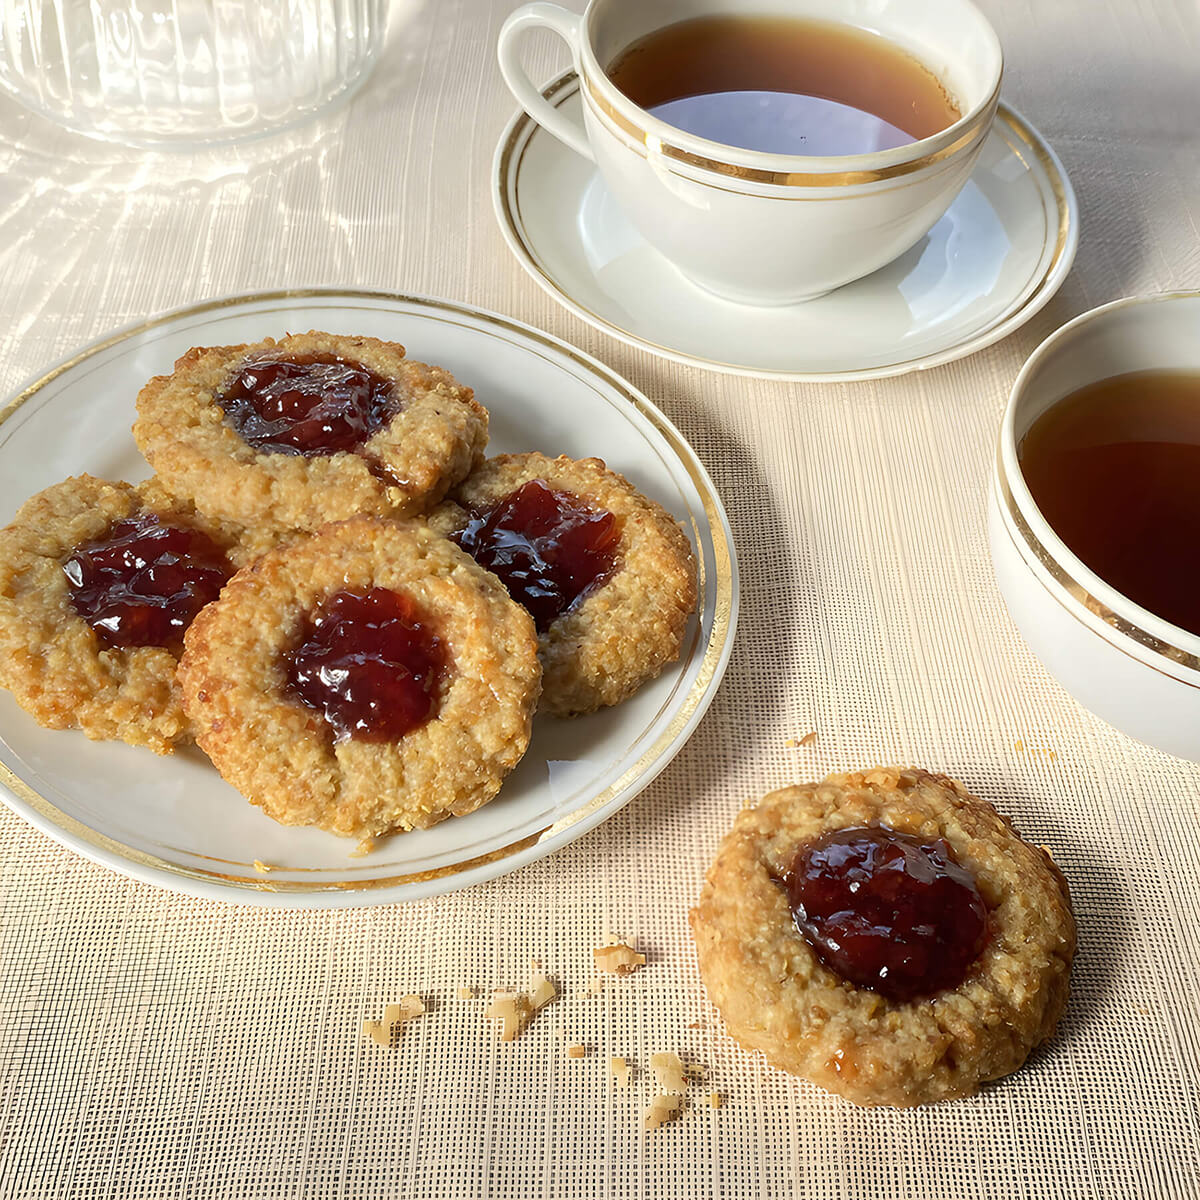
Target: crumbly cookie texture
point(624, 632)
point(51, 659)
point(281, 754)
point(435, 438)
point(776, 996)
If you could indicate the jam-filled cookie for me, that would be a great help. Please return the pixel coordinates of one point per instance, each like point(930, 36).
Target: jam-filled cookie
point(368, 678)
point(98, 582)
point(606, 573)
point(308, 429)
point(886, 935)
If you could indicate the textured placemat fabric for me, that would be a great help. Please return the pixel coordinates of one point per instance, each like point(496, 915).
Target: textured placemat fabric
point(159, 1046)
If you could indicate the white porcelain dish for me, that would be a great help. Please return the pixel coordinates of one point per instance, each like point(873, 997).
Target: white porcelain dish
point(995, 258)
point(172, 821)
point(1133, 669)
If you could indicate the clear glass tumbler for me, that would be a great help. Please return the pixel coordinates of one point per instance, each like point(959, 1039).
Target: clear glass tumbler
point(185, 72)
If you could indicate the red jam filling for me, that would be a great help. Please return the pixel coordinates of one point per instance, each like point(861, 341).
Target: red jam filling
point(370, 664)
point(310, 404)
point(888, 911)
point(548, 547)
point(143, 582)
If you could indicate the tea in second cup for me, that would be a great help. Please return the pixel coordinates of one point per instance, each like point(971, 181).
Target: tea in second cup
point(774, 150)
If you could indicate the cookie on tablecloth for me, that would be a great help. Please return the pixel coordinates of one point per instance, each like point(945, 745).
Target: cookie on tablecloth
point(886, 935)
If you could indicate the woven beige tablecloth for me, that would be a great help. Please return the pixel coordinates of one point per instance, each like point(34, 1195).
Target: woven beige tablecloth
point(157, 1046)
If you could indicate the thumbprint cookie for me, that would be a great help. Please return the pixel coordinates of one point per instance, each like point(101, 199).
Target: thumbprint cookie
point(309, 429)
point(607, 575)
point(886, 935)
point(366, 679)
point(98, 583)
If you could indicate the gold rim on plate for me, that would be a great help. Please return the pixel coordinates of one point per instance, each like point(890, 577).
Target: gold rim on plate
point(111, 852)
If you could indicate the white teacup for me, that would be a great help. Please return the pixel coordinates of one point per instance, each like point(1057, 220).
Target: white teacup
point(1125, 663)
point(768, 228)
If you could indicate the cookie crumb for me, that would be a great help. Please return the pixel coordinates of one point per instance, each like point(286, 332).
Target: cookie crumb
point(715, 1100)
point(809, 738)
point(261, 867)
point(409, 1007)
point(387, 1031)
point(466, 993)
point(595, 986)
point(376, 1032)
point(669, 1072)
point(514, 1010)
point(363, 848)
point(662, 1109)
point(576, 1051)
point(620, 1070)
point(618, 957)
point(541, 990)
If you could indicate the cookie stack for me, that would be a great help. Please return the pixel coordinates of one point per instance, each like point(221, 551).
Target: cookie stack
point(331, 591)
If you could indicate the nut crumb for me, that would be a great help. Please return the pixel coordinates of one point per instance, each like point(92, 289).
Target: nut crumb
point(618, 958)
point(809, 738)
point(696, 1025)
point(576, 1051)
point(261, 867)
point(661, 1110)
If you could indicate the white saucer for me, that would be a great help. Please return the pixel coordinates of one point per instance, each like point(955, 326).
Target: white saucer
point(996, 257)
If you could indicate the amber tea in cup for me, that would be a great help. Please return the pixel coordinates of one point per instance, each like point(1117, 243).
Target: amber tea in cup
point(766, 203)
point(1115, 469)
point(784, 85)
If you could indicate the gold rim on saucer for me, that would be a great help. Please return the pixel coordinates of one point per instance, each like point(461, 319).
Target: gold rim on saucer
point(1018, 135)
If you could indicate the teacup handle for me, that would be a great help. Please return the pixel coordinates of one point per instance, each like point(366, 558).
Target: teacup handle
point(567, 26)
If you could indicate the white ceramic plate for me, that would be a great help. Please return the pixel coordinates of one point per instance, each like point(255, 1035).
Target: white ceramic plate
point(173, 821)
point(995, 258)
